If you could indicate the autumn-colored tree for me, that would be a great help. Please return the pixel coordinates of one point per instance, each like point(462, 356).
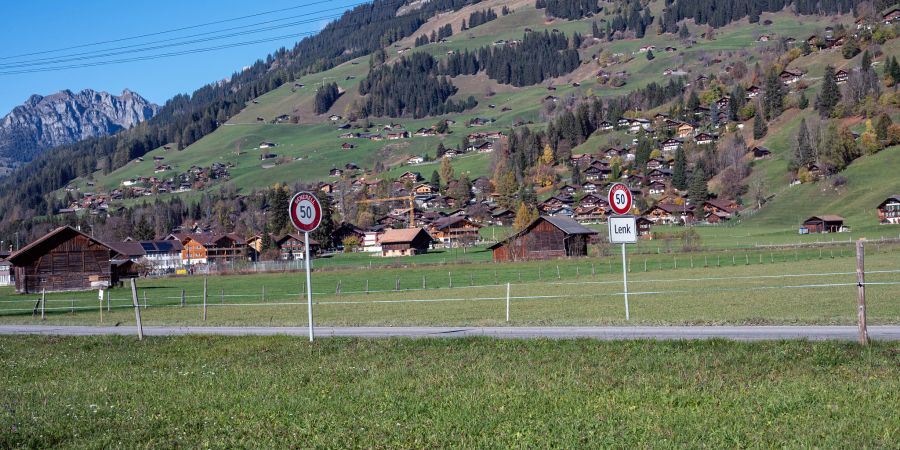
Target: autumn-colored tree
point(524, 216)
point(446, 171)
point(547, 157)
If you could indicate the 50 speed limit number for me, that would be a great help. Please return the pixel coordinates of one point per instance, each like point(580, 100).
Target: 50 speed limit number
point(306, 212)
point(620, 198)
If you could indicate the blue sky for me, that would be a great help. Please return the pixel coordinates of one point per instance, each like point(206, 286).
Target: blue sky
point(40, 25)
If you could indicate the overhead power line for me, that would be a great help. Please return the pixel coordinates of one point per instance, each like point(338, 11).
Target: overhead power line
point(39, 65)
point(137, 48)
point(173, 30)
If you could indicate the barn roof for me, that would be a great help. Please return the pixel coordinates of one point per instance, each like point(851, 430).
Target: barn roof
point(446, 222)
point(47, 243)
point(296, 236)
point(402, 235)
point(565, 224)
point(895, 197)
point(826, 218)
point(129, 249)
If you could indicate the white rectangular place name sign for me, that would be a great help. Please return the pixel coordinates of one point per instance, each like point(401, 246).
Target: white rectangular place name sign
point(622, 230)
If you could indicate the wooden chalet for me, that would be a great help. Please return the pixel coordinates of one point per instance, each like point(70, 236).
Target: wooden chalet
point(6, 272)
point(545, 238)
point(208, 248)
point(502, 217)
point(346, 230)
point(823, 224)
point(669, 213)
point(889, 210)
point(455, 230)
point(643, 228)
point(789, 76)
point(684, 130)
point(594, 214)
point(405, 242)
point(761, 152)
point(64, 259)
point(841, 76)
point(293, 247)
point(412, 177)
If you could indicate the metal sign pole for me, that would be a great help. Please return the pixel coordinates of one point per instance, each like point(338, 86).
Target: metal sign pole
point(308, 286)
point(625, 282)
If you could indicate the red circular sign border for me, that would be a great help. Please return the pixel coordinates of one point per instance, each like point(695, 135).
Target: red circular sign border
point(612, 204)
point(296, 220)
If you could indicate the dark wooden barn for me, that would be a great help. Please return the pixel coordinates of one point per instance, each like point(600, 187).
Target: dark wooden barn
point(545, 238)
point(824, 224)
point(65, 259)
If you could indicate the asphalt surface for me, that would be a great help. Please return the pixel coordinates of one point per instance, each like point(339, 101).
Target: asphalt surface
point(741, 333)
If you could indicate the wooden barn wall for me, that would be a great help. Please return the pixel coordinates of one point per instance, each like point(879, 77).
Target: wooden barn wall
point(73, 265)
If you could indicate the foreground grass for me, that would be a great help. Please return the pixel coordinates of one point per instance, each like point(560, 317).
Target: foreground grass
point(396, 393)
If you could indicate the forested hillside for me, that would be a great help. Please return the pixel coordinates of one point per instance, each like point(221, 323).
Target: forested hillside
point(686, 102)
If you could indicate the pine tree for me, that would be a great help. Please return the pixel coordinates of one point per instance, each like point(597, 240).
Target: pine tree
point(760, 128)
point(679, 170)
point(325, 232)
point(650, 55)
point(803, 151)
point(698, 191)
point(866, 62)
point(266, 238)
point(830, 94)
point(802, 102)
point(435, 179)
point(773, 102)
point(278, 212)
point(884, 124)
point(642, 153)
point(693, 102)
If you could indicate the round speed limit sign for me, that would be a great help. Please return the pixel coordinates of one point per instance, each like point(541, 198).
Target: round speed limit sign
point(305, 211)
point(620, 198)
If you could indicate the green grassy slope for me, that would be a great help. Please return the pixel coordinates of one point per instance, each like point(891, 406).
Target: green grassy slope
point(309, 149)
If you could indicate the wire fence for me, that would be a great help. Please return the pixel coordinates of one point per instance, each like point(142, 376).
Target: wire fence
point(760, 287)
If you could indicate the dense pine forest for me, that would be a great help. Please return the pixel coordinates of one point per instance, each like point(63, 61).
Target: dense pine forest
point(539, 56)
point(410, 87)
point(325, 97)
point(718, 13)
point(569, 9)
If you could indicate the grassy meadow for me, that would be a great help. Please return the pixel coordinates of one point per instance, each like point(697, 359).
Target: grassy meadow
point(715, 288)
point(281, 392)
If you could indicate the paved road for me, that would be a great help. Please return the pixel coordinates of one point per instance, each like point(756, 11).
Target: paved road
point(743, 333)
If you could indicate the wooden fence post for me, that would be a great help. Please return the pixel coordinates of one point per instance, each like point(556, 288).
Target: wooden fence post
point(43, 303)
point(182, 298)
point(137, 311)
point(861, 293)
point(558, 276)
point(450, 276)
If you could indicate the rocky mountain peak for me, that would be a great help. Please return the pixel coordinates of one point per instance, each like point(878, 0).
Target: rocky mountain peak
point(65, 117)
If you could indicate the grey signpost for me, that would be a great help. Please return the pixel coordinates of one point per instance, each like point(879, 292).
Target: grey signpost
point(622, 229)
point(306, 215)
